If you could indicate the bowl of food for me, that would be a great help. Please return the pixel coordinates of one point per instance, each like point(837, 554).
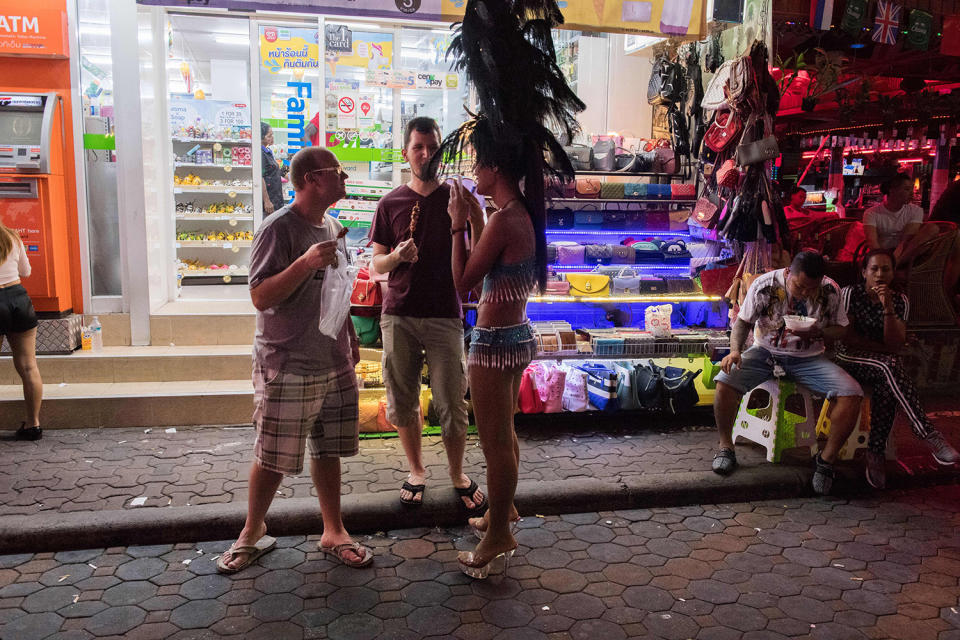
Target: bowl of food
point(799, 323)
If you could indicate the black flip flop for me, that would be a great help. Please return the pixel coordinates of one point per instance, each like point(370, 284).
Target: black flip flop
point(28, 433)
point(469, 492)
point(415, 489)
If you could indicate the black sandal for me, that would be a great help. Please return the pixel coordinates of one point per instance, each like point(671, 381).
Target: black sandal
point(28, 433)
point(470, 492)
point(415, 489)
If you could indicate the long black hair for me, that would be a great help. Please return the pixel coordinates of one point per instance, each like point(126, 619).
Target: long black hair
point(506, 49)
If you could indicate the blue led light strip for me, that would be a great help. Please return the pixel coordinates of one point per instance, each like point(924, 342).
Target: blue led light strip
point(648, 266)
point(616, 232)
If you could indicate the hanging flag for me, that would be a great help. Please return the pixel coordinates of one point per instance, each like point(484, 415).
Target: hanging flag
point(950, 44)
point(918, 33)
point(886, 22)
point(821, 14)
point(854, 17)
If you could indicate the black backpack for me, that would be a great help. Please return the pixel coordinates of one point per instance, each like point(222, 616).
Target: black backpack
point(648, 385)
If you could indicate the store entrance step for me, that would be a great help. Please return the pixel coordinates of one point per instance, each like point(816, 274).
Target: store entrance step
point(140, 404)
point(147, 364)
point(140, 364)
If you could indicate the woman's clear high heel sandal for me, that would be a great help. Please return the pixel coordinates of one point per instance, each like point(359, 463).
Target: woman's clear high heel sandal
point(479, 533)
point(497, 564)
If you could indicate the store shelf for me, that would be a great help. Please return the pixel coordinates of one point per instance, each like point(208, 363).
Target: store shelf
point(213, 273)
point(642, 266)
point(630, 174)
point(658, 297)
point(213, 190)
point(205, 165)
point(615, 232)
point(214, 217)
point(628, 200)
point(213, 244)
point(220, 140)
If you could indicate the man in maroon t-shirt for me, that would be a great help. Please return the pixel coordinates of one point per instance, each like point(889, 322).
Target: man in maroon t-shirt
point(422, 316)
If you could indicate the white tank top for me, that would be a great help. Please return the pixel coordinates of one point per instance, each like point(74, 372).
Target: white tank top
point(16, 266)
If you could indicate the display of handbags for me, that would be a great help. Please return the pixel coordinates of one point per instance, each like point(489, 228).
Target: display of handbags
point(635, 190)
point(588, 218)
point(605, 155)
point(588, 188)
point(626, 283)
point(601, 385)
point(571, 253)
point(581, 156)
point(725, 129)
point(612, 191)
point(560, 218)
point(597, 253)
point(623, 255)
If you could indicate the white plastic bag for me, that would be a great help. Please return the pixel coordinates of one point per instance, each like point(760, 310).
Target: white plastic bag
point(335, 296)
point(657, 320)
point(574, 389)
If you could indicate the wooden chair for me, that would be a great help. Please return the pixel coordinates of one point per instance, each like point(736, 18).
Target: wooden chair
point(929, 304)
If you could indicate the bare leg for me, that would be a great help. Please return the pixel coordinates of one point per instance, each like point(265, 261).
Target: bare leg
point(480, 523)
point(326, 478)
point(411, 439)
point(24, 346)
point(843, 418)
point(263, 486)
point(726, 403)
point(494, 395)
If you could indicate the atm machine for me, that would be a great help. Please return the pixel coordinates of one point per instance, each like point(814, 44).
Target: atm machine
point(33, 198)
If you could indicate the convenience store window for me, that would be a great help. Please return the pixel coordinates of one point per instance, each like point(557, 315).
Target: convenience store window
point(208, 93)
point(100, 158)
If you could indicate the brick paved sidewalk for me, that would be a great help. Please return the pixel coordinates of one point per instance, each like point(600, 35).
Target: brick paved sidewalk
point(107, 469)
point(885, 567)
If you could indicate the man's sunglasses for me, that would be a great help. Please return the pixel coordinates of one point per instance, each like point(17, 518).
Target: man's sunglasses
point(338, 169)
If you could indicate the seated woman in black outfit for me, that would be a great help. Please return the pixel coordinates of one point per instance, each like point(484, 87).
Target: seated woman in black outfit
point(870, 353)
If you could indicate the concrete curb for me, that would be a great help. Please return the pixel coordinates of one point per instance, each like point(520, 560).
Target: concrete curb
point(383, 511)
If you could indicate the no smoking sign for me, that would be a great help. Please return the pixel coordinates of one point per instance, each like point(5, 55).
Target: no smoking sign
point(347, 111)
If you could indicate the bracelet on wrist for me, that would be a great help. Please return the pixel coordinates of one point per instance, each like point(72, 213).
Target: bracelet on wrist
point(454, 232)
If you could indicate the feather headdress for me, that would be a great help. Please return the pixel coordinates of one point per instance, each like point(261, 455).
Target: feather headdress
point(505, 47)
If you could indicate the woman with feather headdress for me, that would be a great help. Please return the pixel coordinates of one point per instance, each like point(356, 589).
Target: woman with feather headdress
point(506, 49)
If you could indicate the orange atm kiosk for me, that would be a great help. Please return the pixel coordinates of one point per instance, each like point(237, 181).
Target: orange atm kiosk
point(37, 174)
point(33, 197)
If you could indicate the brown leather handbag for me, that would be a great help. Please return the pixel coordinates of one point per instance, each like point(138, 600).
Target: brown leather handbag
point(588, 188)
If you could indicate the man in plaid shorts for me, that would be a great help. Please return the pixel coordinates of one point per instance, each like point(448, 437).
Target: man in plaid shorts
point(305, 388)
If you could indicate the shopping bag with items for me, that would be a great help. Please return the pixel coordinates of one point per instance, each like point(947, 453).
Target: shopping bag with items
point(601, 386)
point(657, 320)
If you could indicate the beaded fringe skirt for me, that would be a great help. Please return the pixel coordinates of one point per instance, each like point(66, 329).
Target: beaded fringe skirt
point(503, 348)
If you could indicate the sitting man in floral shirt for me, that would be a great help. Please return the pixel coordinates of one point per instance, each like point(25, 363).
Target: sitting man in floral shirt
point(800, 290)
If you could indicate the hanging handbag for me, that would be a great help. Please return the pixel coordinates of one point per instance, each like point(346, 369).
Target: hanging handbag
point(626, 285)
point(656, 82)
point(626, 395)
point(529, 399)
point(601, 385)
point(597, 253)
point(704, 212)
point(581, 156)
point(550, 379)
point(716, 282)
point(560, 218)
point(614, 220)
point(623, 255)
point(588, 284)
point(648, 385)
point(728, 175)
point(755, 151)
point(570, 254)
point(714, 96)
point(574, 390)
point(679, 132)
point(713, 57)
point(611, 191)
point(605, 155)
point(588, 188)
point(367, 329)
point(726, 128)
point(680, 389)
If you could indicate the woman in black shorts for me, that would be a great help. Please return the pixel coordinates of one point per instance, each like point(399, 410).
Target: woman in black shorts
point(18, 322)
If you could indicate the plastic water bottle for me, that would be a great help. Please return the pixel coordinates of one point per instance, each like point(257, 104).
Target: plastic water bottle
point(97, 329)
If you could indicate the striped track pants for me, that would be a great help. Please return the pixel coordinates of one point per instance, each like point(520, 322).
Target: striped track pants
point(892, 389)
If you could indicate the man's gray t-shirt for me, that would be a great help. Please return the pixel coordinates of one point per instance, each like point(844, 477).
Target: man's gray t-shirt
point(288, 338)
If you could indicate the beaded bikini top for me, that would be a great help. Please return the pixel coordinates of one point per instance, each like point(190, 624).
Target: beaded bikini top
point(509, 282)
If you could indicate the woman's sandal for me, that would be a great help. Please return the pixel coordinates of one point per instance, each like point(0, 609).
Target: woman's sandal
point(28, 433)
point(479, 533)
point(415, 490)
point(337, 551)
point(469, 493)
point(263, 545)
point(470, 566)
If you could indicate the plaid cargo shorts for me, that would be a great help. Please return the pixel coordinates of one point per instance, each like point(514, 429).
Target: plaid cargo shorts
point(290, 410)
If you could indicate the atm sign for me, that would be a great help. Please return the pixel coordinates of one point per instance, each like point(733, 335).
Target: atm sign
point(32, 32)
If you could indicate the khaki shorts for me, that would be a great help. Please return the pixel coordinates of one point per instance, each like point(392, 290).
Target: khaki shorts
point(406, 342)
point(291, 410)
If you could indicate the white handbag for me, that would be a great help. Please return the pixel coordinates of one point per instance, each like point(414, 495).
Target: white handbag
point(575, 390)
point(715, 97)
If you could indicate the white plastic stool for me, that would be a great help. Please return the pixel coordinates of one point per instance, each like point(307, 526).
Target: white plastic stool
point(772, 426)
point(860, 435)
